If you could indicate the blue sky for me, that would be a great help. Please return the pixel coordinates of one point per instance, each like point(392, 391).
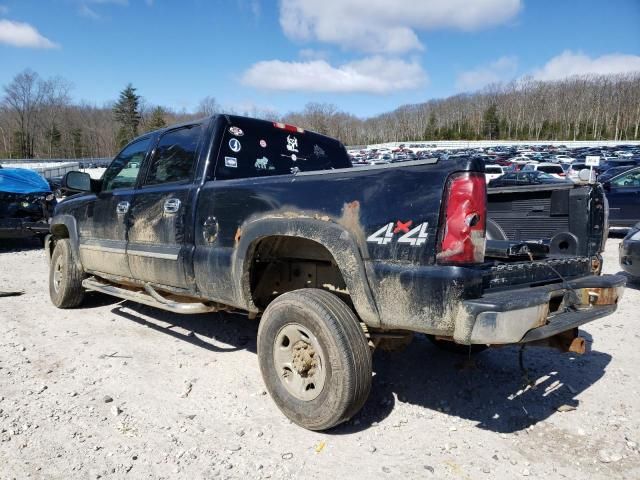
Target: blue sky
point(365, 56)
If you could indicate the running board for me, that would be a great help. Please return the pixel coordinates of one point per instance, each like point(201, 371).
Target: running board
point(150, 298)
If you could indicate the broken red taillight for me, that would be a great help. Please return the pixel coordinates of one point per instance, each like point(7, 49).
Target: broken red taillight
point(463, 220)
point(288, 128)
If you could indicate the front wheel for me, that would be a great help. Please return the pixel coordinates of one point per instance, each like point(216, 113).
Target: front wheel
point(314, 358)
point(65, 277)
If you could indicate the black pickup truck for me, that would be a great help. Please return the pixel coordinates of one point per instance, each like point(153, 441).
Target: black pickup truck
point(237, 213)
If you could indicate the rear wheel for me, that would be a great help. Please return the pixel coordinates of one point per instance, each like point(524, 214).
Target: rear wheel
point(314, 358)
point(65, 277)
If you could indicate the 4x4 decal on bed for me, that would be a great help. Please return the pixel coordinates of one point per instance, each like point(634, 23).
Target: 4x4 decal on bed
point(415, 237)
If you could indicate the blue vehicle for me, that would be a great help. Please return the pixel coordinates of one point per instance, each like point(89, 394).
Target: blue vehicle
point(26, 203)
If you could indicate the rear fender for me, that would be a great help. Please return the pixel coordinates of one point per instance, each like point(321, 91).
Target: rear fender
point(340, 243)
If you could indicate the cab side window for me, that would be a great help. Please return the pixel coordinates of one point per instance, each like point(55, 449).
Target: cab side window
point(175, 156)
point(123, 171)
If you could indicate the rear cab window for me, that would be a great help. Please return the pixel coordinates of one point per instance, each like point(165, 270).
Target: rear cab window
point(257, 148)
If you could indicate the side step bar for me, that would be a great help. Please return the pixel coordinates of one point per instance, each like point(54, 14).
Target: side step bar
point(151, 298)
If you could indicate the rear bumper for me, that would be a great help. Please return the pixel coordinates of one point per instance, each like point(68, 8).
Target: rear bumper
point(630, 257)
point(19, 228)
point(530, 314)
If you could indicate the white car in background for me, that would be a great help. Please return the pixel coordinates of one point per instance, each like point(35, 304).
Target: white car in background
point(521, 160)
point(572, 170)
point(493, 171)
point(564, 159)
point(553, 169)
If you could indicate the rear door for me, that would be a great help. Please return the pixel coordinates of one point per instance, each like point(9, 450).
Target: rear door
point(160, 232)
point(103, 222)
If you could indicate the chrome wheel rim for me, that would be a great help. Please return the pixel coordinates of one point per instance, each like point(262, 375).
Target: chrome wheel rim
point(299, 361)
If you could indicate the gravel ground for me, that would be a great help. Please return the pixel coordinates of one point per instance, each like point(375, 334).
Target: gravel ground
point(115, 390)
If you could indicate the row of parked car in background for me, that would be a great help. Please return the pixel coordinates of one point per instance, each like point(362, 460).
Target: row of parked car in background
point(506, 166)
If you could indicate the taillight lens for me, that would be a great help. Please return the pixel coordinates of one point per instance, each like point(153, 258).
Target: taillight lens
point(464, 220)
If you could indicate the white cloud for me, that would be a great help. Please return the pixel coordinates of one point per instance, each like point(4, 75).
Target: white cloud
point(382, 26)
point(569, 63)
point(501, 70)
point(370, 75)
point(20, 34)
point(312, 54)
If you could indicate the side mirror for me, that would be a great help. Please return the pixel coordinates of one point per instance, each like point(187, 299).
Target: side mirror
point(76, 182)
point(606, 186)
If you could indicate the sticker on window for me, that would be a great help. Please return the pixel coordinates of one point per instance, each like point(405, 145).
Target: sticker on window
point(292, 144)
point(237, 131)
point(263, 164)
point(235, 145)
point(293, 157)
point(231, 162)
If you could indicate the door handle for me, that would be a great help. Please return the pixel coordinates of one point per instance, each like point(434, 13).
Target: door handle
point(171, 205)
point(122, 208)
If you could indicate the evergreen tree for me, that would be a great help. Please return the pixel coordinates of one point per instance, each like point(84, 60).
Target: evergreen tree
point(431, 130)
point(491, 123)
point(126, 113)
point(157, 120)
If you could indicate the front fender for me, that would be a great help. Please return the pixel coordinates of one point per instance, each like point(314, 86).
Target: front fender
point(340, 243)
point(65, 223)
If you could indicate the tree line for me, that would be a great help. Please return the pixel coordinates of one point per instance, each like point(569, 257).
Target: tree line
point(38, 119)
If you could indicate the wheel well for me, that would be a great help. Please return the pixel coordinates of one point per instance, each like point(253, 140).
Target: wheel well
point(57, 231)
point(60, 231)
point(281, 264)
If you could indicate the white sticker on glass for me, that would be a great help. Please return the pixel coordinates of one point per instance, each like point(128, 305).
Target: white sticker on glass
point(235, 145)
point(292, 144)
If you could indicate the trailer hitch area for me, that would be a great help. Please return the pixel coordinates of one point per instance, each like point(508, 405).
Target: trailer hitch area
point(568, 341)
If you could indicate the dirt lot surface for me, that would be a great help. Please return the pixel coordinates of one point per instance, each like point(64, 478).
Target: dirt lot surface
point(116, 390)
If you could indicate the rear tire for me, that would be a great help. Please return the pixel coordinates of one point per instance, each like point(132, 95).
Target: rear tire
point(314, 358)
point(65, 277)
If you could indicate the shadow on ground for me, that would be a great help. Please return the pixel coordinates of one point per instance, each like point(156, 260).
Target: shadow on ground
point(488, 389)
point(10, 245)
point(216, 332)
point(632, 282)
